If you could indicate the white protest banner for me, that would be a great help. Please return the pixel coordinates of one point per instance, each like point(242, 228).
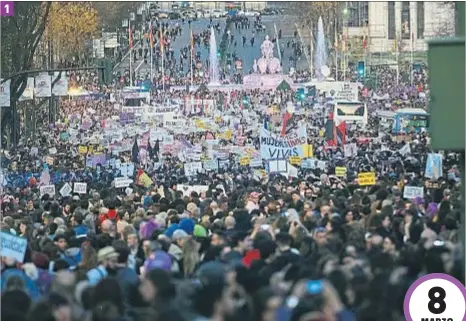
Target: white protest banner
point(255, 162)
point(60, 88)
point(47, 189)
point(273, 146)
point(172, 121)
point(5, 93)
point(80, 188)
point(351, 150)
point(279, 166)
point(200, 188)
point(121, 182)
point(161, 110)
point(28, 93)
point(52, 151)
point(292, 171)
point(338, 89)
point(185, 189)
point(191, 169)
point(43, 87)
point(411, 192)
point(211, 165)
point(65, 190)
point(405, 150)
point(13, 246)
point(34, 151)
point(308, 163)
point(434, 166)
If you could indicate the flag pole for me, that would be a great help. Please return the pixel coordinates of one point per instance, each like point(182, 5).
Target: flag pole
point(130, 54)
point(397, 60)
point(191, 56)
point(366, 40)
point(311, 63)
point(162, 51)
point(412, 57)
point(151, 45)
point(336, 48)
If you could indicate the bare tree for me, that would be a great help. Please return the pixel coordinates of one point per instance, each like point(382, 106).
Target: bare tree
point(309, 12)
point(444, 20)
point(21, 34)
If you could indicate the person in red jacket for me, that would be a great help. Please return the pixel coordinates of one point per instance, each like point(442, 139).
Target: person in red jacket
point(109, 214)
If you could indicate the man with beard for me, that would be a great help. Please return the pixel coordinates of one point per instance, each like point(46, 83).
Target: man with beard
point(107, 258)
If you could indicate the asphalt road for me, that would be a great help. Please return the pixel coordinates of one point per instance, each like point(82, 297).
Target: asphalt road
point(247, 53)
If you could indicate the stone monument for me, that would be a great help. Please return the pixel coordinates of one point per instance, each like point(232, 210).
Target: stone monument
point(268, 64)
point(266, 70)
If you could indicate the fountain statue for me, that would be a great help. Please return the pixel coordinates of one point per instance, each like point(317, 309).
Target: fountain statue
point(214, 72)
point(320, 55)
point(267, 70)
point(268, 63)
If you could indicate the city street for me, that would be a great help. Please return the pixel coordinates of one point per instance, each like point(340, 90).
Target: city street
point(247, 53)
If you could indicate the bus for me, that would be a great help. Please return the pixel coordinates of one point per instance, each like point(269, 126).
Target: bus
point(351, 112)
point(386, 118)
point(409, 119)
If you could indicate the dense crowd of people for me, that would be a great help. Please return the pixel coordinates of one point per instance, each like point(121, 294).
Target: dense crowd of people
point(229, 242)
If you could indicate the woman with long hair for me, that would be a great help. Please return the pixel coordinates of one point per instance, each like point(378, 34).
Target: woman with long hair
point(191, 257)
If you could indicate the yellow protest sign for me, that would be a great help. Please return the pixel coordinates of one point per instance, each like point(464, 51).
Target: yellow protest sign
point(308, 150)
point(321, 133)
point(228, 134)
point(244, 161)
point(295, 160)
point(95, 149)
point(82, 149)
point(366, 179)
point(340, 171)
point(199, 124)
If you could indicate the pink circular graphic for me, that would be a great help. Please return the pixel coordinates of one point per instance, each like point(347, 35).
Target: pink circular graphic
point(422, 280)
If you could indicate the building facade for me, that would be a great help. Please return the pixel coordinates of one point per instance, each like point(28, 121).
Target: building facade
point(211, 5)
point(398, 25)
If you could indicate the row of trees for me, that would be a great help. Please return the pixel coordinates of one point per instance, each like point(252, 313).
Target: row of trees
point(68, 25)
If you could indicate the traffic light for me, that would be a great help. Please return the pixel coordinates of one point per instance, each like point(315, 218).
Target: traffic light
point(245, 100)
point(105, 71)
point(300, 95)
point(361, 68)
point(100, 71)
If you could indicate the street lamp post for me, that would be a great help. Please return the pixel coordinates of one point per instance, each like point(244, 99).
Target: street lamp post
point(344, 55)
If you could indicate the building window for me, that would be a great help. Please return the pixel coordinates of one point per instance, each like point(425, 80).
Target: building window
point(391, 20)
point(358, 13)
point(405, 20)
point(420, 20)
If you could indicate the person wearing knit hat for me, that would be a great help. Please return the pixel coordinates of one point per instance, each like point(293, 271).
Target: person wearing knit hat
point(199, 231)
point(107, 258)
point(187, 225)
point(172, 228)
point(147, 228)
point(179, 236)
point(158, 260)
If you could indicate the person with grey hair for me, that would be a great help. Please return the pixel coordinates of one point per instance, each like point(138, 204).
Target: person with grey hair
point(176, 249)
